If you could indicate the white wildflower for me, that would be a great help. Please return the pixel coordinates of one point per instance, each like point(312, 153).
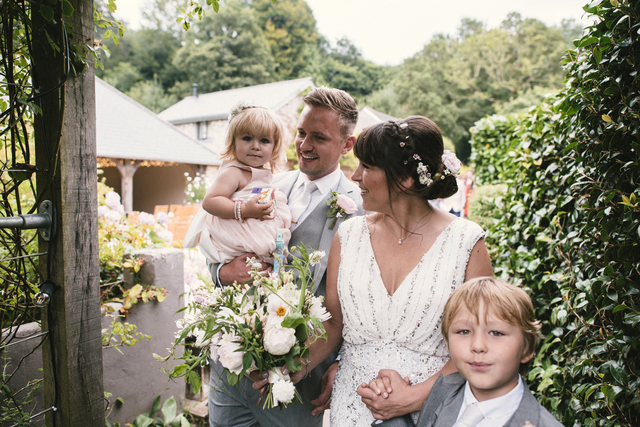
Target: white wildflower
point(315, 257)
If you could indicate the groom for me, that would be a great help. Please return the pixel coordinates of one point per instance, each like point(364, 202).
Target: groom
point(324, 133)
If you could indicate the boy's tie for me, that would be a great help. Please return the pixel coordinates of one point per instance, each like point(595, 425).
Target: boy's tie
point(301, 204)
point(470, 417)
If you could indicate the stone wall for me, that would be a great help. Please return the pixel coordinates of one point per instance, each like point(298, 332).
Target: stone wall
point(134, 376)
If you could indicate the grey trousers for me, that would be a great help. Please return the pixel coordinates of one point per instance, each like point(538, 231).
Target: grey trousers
point(237, 405)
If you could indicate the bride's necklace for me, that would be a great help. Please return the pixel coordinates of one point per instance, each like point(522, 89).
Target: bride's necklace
point(402, 239)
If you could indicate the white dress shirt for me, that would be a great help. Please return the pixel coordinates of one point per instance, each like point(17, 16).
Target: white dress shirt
point(324, 185)
point(496, 411)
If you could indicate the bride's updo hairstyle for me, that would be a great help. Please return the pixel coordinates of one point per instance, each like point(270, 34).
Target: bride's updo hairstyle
point(399, 147)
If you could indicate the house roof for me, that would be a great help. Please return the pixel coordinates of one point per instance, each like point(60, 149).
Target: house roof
point(128, 130)
point(217, 105)
point(369, 117)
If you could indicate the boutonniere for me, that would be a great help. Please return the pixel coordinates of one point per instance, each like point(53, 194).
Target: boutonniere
point(339, 206)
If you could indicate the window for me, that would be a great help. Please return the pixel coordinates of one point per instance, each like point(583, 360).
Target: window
point(201, 130)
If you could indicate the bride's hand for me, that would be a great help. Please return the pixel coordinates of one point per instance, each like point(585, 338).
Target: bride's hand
point(378, 397)
point(382, 386)
point(301, 374)
point(260, 380)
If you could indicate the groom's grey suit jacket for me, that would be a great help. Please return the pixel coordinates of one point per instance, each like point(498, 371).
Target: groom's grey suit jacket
point(445, 400)
point(314, 232)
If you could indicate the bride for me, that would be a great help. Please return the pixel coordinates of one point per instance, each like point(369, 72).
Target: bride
point(390, 273)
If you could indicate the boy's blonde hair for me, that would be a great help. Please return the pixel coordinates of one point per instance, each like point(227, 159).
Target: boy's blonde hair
point(255, 120)
point(508, 302)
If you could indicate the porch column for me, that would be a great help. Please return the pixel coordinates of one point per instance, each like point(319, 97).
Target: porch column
point(127, 169)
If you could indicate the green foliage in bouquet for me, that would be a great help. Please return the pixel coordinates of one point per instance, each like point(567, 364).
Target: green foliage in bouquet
point(263, 324)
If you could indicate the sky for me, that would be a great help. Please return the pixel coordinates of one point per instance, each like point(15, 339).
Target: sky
point(387, 31)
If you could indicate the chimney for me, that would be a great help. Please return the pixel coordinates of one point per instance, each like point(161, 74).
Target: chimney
point(195, 90)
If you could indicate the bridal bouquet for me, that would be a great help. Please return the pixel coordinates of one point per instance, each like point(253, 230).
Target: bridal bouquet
point(261, 325)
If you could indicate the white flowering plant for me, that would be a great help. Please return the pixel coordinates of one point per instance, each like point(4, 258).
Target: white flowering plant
point(264, 324)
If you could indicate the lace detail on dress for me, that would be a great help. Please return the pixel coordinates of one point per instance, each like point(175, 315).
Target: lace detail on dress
point(399, 331)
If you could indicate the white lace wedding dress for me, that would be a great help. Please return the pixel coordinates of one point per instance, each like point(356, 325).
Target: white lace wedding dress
point(402, 331)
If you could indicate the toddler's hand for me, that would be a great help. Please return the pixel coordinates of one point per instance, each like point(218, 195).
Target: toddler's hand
point(253, 209)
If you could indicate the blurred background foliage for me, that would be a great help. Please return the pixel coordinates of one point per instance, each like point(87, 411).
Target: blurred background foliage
point(455, 80)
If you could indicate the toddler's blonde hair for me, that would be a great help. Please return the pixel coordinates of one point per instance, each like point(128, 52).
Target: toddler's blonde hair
point(255, 120)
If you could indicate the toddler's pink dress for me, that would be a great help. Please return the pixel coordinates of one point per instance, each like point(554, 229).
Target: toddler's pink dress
point(222, 240)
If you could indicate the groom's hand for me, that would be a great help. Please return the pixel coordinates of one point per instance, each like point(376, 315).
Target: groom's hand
point(237, 270)
point(324, 400)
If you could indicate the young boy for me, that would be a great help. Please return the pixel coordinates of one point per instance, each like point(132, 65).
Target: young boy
point(491, 333)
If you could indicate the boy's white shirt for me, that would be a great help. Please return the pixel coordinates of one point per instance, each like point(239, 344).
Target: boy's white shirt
point(497, 411)
point(324, 185)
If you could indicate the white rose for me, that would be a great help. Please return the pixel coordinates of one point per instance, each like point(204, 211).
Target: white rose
point(213, 353)
point(229, 357)
point(279, 340)
point(283, 392)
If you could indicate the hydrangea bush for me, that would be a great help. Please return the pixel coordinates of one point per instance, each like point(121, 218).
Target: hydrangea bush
point(118, 236)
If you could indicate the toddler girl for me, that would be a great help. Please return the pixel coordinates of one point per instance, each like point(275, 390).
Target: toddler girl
point(242, 210)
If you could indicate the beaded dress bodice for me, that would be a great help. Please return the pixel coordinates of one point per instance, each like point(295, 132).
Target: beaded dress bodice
point(399, 331)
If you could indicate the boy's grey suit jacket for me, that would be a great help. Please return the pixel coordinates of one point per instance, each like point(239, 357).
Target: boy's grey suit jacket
point(443, 406)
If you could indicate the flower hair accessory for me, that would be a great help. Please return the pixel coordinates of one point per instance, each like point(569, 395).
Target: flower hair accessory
point(425, 175)
point(451, 167)
point(240, 107)
point(451, 163)
point(339, 206)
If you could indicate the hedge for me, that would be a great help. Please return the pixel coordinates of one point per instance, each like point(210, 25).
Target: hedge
point(568, 227)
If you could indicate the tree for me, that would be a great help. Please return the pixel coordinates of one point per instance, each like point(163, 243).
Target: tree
point(457, 81)
point(345, 68)
point(224, 51)
point(290, 30)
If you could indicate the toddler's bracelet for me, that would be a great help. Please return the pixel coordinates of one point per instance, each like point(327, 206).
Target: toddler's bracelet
point(238, 210)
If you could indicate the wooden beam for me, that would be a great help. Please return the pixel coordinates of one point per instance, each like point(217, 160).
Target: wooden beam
point(65, 136)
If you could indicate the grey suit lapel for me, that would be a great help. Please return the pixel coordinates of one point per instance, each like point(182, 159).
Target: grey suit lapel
point(448, 415)
point(528, 410)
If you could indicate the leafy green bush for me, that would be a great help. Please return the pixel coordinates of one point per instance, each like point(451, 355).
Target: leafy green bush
point(570, 224)
point(485, 203)
point(492, 143)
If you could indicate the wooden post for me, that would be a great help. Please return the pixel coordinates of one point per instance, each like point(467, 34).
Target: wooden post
point(65, 136)
point(127, 169)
